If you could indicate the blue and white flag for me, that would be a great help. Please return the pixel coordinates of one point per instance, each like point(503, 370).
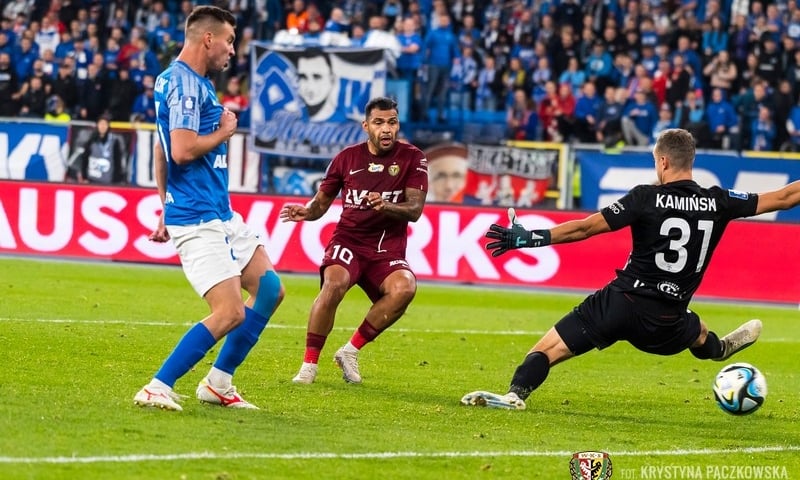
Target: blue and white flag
point(309, 102)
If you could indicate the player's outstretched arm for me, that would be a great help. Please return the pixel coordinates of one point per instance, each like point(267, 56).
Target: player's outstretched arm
point(781, 199)
point(577, 230)
point(311, 211)
point(517, 236)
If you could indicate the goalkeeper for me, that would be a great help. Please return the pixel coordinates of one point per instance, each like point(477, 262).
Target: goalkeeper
point(675, 227)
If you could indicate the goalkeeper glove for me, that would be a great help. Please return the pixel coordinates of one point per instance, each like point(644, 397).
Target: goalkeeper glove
point(515, 237)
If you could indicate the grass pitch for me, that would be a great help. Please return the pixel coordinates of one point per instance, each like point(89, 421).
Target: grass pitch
point(77, 340)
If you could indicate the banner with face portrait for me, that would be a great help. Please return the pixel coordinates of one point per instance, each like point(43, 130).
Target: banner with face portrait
point(309, 102)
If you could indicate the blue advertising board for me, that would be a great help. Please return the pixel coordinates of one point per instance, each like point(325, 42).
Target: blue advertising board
point(33, 151)
point(606, 177)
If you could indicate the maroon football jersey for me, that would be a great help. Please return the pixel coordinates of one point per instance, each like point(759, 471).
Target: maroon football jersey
point(355, 172)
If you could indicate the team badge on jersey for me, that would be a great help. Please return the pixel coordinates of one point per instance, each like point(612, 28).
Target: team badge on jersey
point(375, 167)
point(590, 466)
point(188, 105)
point(737, 194)
point(669, 288)
point(394, 170)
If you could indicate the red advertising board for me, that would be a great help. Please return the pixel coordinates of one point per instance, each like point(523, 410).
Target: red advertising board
point(756, 261)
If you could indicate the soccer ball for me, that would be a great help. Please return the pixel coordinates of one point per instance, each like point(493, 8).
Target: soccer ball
point(740, 389)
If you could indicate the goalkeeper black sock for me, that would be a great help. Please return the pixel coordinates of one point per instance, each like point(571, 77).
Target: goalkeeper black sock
point(712, 348)
point(530, 374)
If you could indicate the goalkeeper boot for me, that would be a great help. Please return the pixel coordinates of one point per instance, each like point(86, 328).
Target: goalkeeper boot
point(158, 397)
point(492, 400)
point(348, 362)
point(307, 373)
point(225, 397)
point(739, 339)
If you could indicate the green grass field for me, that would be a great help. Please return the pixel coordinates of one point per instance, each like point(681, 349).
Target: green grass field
point(77, 340)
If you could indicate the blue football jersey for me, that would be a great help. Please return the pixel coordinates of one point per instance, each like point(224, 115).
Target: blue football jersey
point(197, 192)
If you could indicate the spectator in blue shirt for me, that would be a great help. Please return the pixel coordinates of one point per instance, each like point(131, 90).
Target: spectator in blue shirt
point(665, 121)
point(468, 33)
point(573, 76)
point(410, 59)
point(722, 121)
point(793, 28)
point(441, 47)
point(82, 57)
point(600, 66)
point(763, 131)
point(648, 34)
point(23, 57)
point(6, 25)
point(144, 107)
point(587, 113)
point(110, 54)
point(5, 45)
point(464, 78)
point(164, 27)
point(609, 127)
point(649, 60)
point(489, 88)
point(715, 39)
point(148, 60)
point(793, 128)
point(525, 52)
point(638, 119)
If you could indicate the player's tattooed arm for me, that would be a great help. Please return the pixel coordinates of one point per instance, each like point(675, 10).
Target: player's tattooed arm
point(409, 210)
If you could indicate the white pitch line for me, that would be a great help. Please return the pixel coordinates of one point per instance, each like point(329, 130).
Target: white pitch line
point(289, 327)
point(380, 455)
point(303, 327)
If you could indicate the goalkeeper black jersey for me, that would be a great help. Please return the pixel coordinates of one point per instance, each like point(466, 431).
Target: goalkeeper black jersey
point(675, 229)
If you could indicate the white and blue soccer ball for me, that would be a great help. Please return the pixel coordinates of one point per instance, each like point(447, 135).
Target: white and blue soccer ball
point(740, 389)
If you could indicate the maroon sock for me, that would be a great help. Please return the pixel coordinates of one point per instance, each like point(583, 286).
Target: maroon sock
point(365, 334)
point(314, 344)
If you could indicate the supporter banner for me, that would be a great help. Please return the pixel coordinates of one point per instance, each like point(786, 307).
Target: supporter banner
point(33, 151)
point(494, 175)
point(446, 244)
point(510, 177)
point(606, 177)
point(309, 102)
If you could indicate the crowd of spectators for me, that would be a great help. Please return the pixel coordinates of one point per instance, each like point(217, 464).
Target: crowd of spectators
point(609, 71)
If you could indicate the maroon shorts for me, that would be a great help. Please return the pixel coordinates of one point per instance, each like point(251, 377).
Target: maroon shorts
point(367, 269)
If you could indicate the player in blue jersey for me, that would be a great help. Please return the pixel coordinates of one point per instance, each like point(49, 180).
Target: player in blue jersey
point(220, 254)
point(675, 227)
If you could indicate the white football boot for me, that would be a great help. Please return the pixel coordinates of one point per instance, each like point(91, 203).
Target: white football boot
point(739, 339)
point(493, 400)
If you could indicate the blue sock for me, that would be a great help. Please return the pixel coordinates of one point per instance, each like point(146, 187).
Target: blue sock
point(191, 348)
point(240, 341)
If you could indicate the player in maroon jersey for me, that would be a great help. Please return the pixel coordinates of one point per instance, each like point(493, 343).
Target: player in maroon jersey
point(383, 184)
